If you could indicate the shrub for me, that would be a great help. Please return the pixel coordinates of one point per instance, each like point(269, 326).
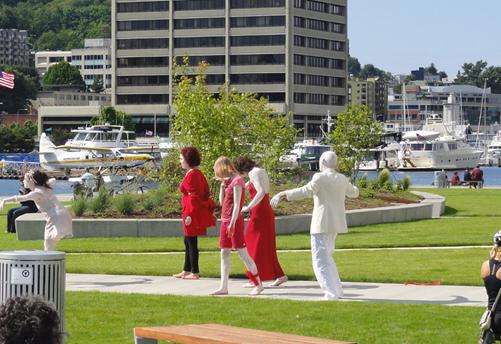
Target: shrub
point(384, 177)
point(79, 206)
point(155, 198)
point(388, 186)
point(362, 182)
point(406, 183)
point(125, 204)
point(101, 203)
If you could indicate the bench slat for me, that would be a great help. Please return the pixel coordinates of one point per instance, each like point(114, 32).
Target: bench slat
point(215, 333)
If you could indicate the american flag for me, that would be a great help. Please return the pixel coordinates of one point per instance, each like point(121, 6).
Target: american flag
point(6, 80)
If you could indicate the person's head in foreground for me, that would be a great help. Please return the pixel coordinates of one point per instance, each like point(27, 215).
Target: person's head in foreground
point(36, 178)
point(223, 168)
point(496, 248)
point(29, 321)
point(328, 160)
point(244, 165)
point(190, 158)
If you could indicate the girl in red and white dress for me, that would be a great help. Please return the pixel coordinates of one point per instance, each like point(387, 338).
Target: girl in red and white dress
point(231, 197)
point(198, 210)
point(260, 233)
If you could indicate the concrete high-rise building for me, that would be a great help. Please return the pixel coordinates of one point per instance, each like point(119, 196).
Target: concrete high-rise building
point(293, 52)
point(14, 48)
point(372, 92)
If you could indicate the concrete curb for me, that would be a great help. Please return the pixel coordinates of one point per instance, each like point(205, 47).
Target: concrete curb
point(31, 226)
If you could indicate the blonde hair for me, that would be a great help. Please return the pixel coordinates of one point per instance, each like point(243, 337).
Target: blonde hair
point(223, 168)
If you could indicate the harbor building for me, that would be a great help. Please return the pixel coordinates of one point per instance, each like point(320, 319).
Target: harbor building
point(292, 52)
point(372, 92)
point(14, 48)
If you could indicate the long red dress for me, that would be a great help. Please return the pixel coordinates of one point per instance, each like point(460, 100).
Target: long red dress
point(196, 203)
point(260, 238)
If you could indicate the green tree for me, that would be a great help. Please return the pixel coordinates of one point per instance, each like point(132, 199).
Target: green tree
point(431, 69)
point(479, 72)
point(110, 115)
point(97, 85)
point(25, 89)
point(63, 74)
point(18, 138)
point(231, 124)
point(355, 134)
point(354, 67)
point(59, 136)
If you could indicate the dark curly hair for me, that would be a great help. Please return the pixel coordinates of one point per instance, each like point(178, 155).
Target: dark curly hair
point(40, 178)
point(243, 164)
point(29, 321)
point(191, 156)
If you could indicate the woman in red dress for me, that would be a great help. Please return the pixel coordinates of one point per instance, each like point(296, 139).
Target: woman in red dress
point(198, 210)
point(260, 233)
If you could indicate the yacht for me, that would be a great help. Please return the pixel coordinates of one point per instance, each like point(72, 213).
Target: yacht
point(494, 150)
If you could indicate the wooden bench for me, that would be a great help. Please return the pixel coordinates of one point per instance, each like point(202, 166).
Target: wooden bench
point(214, 333)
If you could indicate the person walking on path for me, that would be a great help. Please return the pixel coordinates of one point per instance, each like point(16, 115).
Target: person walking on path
point(329, 190)
point(197, 210)
point(27, 207)
point(231, 197)
point(490, 273)
point(260, 232)
point(58, 219)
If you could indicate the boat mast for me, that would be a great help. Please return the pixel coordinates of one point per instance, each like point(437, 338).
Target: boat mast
point(482, 106)
point(404, 98)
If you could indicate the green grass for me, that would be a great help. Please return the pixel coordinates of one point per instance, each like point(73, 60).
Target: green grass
point(107, 318)
point(451, 266)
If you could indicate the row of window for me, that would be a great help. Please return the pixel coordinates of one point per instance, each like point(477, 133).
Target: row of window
point(147, 43)
point(318, 43)
point(265, 59)
point(95, 67)
point(320, 6)
point(213, 60)
point(138, 25)
point(257, 40)
point(262, 21)
point(132, 62)
point(146, 80)
point(318, 80)
point(194, 5)
point(318, 99)
point(199, 23)
point(319, 25)
point(94, 57)
point(271, 78)
point(197, 42)
point(318, 62)
point(236, 41)
point(142, 99)
point(147, 6)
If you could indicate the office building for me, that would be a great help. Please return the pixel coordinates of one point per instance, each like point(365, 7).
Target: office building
point(45, 59)
point(292, 52)
point(14, 48)
point(372, 92)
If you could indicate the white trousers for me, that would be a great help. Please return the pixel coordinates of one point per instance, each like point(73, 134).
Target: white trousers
point(322, 248)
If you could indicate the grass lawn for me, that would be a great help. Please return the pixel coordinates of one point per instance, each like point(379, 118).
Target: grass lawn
point(105, 318)
point(451, 266)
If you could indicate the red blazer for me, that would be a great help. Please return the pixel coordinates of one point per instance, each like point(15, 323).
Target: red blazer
point(197, 203)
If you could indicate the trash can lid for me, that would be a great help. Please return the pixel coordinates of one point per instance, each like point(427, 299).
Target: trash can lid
point(32, 255)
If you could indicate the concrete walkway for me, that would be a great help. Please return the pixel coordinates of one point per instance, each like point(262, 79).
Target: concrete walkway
point(292, 290)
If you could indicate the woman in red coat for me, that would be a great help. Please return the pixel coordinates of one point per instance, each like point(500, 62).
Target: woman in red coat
point(198, 210)
point(260, 232)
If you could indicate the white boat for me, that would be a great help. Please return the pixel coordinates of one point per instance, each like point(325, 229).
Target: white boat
point(494, 150)
point(305, 152)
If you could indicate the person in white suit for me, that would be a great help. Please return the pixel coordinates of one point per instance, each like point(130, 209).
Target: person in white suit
point(329, 189)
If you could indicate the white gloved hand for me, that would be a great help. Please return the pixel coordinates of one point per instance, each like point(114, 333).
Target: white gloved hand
point(245, 209)
point(187, 220)
point(276, 199)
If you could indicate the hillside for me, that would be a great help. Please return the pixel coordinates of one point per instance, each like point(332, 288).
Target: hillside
point(57, 24)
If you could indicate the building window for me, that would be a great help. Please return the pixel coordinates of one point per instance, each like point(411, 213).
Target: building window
point(318, 99)
point(262, 21)
point(54, 59)
point(93, 67)
point(256, 3)
point(199, 23)
point(147, 43)
point(257, 40)
point(265, 59)
point(198, 42)
point(148, 6)
point(319, 25)
point(319, 6)
point(318, 62)
point(318, 80)
point(215, 79)
point(142, 99)
point(318, 43)
point(143, 80)
point(215, 60)
point(272, 78)
point(194, 5)
point(132, 62)
point(273, 97)
point(138, 25)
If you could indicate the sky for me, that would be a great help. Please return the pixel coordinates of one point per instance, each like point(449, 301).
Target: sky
point(402, 35)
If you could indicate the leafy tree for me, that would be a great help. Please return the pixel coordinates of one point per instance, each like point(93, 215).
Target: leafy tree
point(370, 71)
point(231, 124)
point(97, 85)
point(18, 139)
point(25, 89)
point(355, 133)
point(479, 72)
point(59, 136)
point(63, 74)
point(113, 116)
point(432, 70)
point(354, 67)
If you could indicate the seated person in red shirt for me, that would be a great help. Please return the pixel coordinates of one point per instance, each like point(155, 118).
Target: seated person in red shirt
point(455, 179)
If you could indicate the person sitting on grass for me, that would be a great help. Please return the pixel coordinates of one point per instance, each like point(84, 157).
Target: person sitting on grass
point(491, 275)
point(29, 321)
point(455, 180)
